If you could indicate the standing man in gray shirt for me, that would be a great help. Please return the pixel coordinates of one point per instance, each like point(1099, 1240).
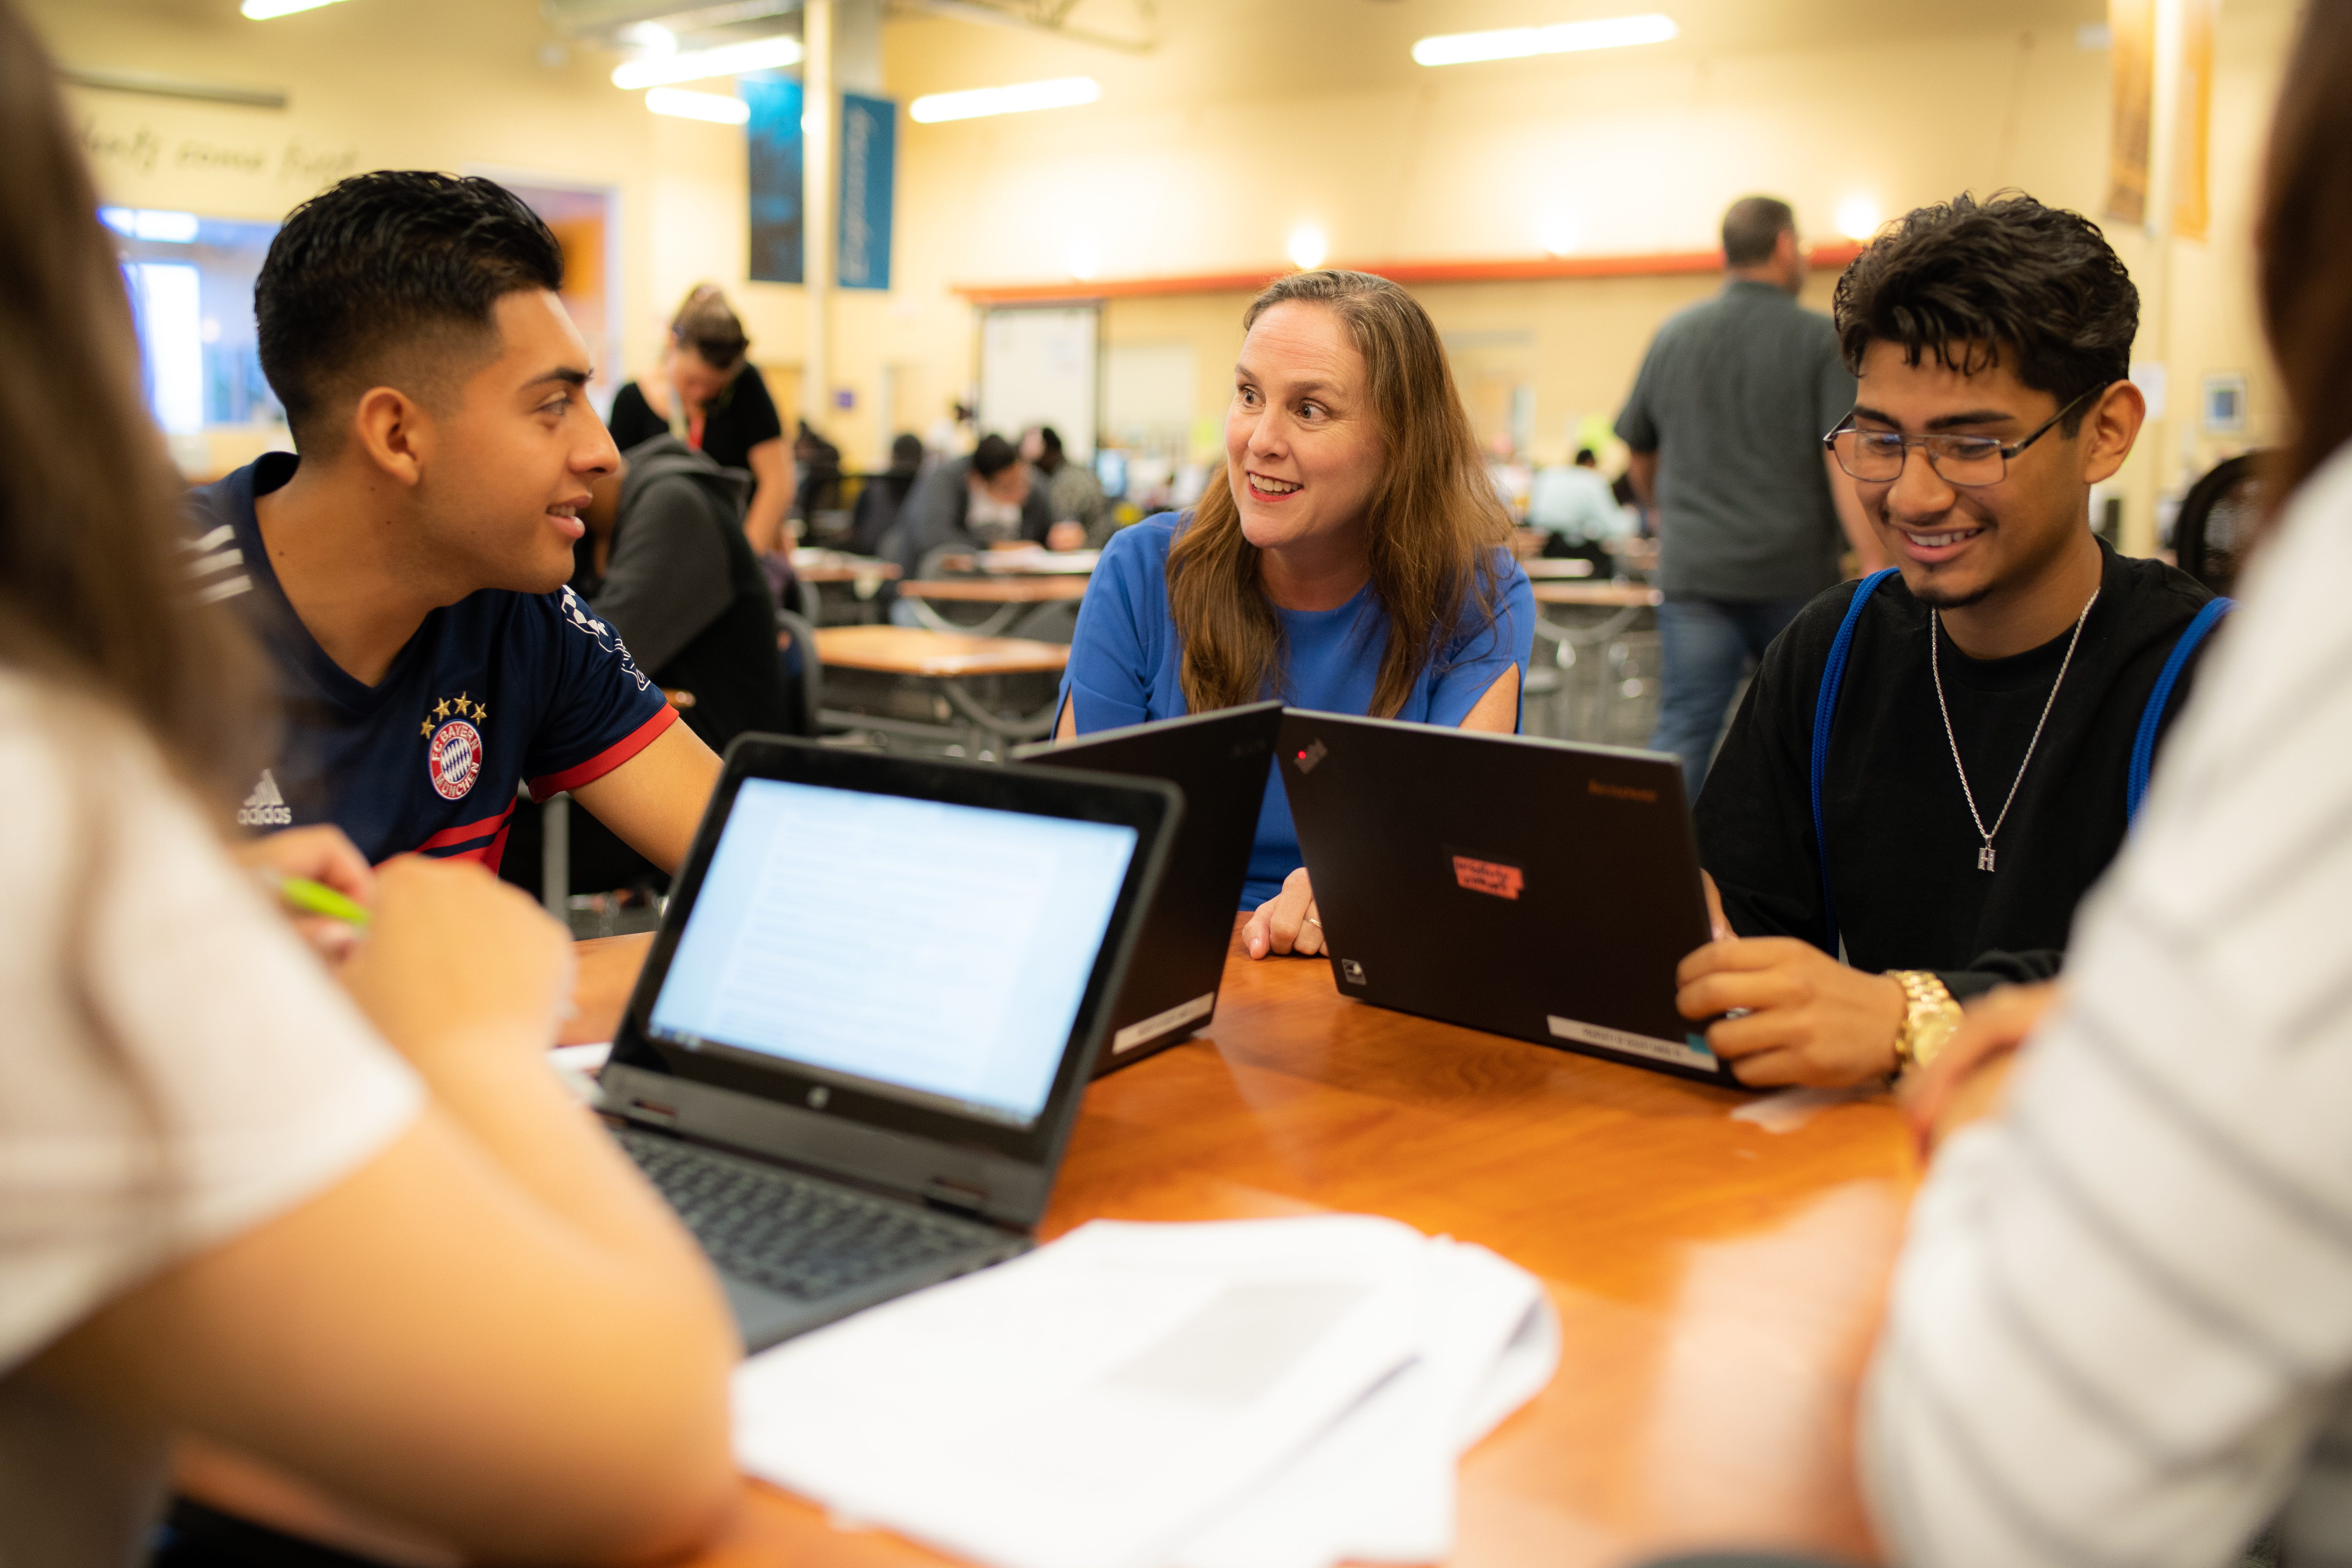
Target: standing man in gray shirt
point(1724, 423)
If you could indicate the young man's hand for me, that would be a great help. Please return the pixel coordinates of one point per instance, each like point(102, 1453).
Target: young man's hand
point(1807, 1018)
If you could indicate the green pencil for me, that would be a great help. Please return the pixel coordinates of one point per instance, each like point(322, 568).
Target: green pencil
point(318, 898)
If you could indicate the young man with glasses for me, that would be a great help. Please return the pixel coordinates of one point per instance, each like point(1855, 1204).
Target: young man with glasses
point(1970, 775)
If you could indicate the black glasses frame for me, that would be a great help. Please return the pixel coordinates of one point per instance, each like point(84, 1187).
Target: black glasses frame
point(1926, 443)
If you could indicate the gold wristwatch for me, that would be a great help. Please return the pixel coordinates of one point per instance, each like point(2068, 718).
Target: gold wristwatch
point(1929, 1018)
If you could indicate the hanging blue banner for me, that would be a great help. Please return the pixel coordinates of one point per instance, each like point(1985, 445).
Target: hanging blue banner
point(774, 135)
point(869, 142)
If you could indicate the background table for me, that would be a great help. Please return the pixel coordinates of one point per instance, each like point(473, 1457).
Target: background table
point(948, 658)
point(1716, 1283)
point(1010, 595)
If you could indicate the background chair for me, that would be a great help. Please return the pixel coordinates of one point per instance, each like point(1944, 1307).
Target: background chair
point(2217, 520)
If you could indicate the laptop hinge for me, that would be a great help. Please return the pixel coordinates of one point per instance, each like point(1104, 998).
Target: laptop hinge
point(653, 1111)
point(960, 1197)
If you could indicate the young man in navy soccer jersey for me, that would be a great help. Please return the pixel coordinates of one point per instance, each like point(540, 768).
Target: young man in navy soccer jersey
point(406, 571)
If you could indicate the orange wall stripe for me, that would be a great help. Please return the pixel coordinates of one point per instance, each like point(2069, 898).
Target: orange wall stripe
point(1661, 264)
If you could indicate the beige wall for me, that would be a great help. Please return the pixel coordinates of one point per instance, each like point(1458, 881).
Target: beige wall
point(1204, 155)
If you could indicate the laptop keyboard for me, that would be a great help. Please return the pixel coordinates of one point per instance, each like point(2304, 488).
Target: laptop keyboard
point(802, 1237)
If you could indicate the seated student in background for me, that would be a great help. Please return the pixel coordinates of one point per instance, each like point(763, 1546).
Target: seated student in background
point(1575, 508)
point(350, 1224)
point(979, 501)
point(1352, 557)
point(671, 571)
point(882, 494)
point(407, 570)
point(1978, 764)
point(1074, 497)
point(709, 394)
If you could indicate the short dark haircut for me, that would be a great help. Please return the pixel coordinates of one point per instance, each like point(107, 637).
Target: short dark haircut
point(1971, 283)
point(1585, 459)
point(708, 325)
point(1752, 226)
point(906, 450)
point(992, 456)
point(399, 268)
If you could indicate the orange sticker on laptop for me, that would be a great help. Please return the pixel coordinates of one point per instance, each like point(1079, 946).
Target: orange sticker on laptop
point(1489, 877)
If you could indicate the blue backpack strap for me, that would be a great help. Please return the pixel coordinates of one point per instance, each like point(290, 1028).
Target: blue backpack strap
point(1825, 714)
point(2151, 719)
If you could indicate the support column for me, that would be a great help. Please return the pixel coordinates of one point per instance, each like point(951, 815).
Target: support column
point(819, 126)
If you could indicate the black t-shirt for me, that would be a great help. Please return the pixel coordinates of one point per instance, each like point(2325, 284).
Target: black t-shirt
point(741, 417)
point(1902, 849)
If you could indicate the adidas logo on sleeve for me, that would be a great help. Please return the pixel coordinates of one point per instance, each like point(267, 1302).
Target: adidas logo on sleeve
point(265, 806)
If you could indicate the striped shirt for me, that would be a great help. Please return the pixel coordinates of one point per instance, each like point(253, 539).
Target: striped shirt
point(2121, 1330)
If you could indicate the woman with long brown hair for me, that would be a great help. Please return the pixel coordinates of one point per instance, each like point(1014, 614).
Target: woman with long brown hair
point(348, 1225)
point(1352, 557)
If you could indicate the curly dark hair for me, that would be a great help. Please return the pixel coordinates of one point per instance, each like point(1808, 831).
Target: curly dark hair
point(395, 271)
point(1971, 283)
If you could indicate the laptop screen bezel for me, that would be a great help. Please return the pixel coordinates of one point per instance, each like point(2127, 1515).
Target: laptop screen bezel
point(1148, 807)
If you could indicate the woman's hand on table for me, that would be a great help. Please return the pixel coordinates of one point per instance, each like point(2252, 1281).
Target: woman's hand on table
point(1967, 1079)
point(322, 854)
point(457, 958)
point(1287, 922)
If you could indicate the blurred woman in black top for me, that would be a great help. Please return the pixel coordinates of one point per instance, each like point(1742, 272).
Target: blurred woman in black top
point(709, 395)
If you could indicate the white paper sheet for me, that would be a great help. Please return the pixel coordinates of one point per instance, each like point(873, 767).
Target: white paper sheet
point(1255, 1393)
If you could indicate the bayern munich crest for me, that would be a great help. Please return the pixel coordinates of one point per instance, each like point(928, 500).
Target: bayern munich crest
point(453, 745)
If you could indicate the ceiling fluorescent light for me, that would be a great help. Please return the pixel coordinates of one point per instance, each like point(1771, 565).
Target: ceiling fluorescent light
point(1566, 38)
point(716, 107)
point(1063, 92)
point(694, 64)
point(262, 10)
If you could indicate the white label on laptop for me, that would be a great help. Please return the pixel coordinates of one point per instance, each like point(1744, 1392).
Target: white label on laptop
point(1159, 1024)
point(1609, 1039)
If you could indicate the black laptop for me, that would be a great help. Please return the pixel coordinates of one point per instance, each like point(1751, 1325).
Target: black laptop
point(858, 1047)
point(1220, 761)
point(1524, 887)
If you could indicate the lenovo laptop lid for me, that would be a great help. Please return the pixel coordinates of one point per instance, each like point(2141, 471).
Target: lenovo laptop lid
point(1525, 887)
point(892, 971)
point(1220, 761)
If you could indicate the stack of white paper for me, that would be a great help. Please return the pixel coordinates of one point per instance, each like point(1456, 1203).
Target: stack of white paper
point(1248, 1394)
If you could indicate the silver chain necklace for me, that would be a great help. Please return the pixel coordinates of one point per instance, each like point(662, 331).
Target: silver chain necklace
point(1935, 667)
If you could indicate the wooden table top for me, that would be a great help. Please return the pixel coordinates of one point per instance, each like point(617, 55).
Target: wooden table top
point(908, 650)
point(838, 566)
point(1716, 1283)
point(1029, 561)
point(997, 590)
point(1602, 595)
point(1539, 569)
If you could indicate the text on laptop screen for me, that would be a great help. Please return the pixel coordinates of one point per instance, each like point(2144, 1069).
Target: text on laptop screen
point(937, 951)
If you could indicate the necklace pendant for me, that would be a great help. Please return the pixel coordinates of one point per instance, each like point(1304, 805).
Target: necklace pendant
point(1984, 858)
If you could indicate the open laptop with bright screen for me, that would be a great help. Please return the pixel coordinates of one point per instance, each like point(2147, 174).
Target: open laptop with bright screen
point(933, 952)
point(857, 1049)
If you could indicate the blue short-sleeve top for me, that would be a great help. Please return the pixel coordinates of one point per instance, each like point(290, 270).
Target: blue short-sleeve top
point(1125, 665)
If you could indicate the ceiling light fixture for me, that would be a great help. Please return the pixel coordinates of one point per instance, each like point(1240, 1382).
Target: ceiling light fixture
point(1062, 92)
point(1858, 217)
point(695, 65)
point(716, 107)
point(1308, 248)
point(262, 10)
point(1563, 38)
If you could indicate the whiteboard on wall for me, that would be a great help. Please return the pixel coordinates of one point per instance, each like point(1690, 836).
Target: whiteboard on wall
point(1038, 367)
point(1148, 395)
